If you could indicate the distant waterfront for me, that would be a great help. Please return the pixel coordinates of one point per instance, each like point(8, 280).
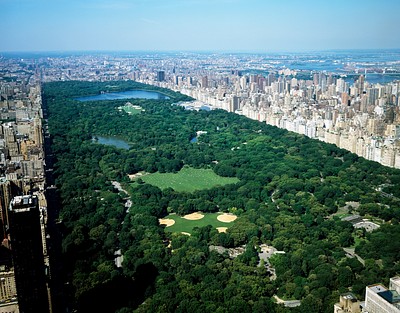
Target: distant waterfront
point(376, 78)
point(380, 66)
point(131, 94)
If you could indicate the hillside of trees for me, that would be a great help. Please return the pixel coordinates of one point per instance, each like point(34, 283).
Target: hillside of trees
point(289, 188)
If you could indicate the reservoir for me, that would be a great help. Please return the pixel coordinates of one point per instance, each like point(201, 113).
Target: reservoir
point(131, 94)
point(112, 141)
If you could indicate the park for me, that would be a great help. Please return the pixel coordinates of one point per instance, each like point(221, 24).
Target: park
point(188, 179)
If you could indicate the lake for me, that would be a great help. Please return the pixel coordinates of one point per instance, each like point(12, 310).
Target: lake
point(112, 141)
point(131, 94)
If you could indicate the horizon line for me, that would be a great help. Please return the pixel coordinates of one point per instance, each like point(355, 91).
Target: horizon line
point(194, 51)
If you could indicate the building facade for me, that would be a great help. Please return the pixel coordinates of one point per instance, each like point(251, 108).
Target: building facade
point(348, 303)
point(379, 299)
point(27, 251)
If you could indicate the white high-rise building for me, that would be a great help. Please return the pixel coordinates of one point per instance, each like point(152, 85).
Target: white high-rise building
point(379, 299)
point(341, 85)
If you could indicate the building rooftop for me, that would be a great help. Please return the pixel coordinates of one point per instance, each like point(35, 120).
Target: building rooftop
point(377, 288)
point(23, 203)
point(390, 296)
point(349, 296)
point(396, 279)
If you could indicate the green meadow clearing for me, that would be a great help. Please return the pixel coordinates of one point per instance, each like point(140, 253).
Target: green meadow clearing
point(131, 109)
point(188, 179)
point(184, 225)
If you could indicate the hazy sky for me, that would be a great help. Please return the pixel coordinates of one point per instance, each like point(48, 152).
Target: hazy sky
point(217, 25)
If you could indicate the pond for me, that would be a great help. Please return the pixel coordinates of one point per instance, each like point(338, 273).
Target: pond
point(131, 94)
point(111, 141)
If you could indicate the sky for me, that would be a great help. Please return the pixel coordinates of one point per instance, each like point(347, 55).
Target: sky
point(198, 25)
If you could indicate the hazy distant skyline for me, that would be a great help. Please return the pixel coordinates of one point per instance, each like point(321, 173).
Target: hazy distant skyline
point(194, 25)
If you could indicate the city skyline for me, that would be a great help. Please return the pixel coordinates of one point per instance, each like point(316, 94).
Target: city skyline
point(219, 25)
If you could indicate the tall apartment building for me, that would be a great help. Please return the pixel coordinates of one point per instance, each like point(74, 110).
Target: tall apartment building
point(27, 251)
point(204, 82)
point(348, 303)
point(160, 76)
point(379, 299)
point(8, 289)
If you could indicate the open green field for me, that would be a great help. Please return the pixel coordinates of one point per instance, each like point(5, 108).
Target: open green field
point(343, 215)
point(131, 109)
point(184, 225)
point(188, 179)
point(357, 241)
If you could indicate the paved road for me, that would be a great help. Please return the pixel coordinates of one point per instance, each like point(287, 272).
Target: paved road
point(287, 303)
point(350, 252)
point(128, 202)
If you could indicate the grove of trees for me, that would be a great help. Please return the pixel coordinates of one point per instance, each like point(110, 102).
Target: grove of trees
point(289, 188)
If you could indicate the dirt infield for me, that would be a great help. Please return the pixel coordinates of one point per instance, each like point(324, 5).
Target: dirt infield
point(193, 217)
point(226, 218)
point(222, 229)
point(166, 221)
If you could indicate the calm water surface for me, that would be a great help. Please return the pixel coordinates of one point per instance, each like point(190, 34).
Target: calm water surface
point(112, 141)
point(131, 94)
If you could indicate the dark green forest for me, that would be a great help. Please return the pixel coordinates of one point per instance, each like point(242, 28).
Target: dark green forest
point(290, 187)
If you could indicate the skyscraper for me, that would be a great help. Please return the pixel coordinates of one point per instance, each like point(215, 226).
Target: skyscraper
point(38, 138)
point(160, 76)
point(204, 82)
point(27, 251)
point(379, 299)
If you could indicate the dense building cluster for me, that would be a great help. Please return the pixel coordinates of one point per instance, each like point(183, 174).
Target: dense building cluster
point(360, 117)
point(23, 206)
point(339, 107)
point(378, 299)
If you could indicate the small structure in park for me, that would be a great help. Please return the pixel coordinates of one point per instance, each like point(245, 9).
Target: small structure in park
point(358, 222)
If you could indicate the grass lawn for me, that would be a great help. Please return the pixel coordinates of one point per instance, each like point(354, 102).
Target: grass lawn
point(183, 225)
point(131, 110)
point(341, 212)
point(343, 215)
point(188, 179)
point(357, 241)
